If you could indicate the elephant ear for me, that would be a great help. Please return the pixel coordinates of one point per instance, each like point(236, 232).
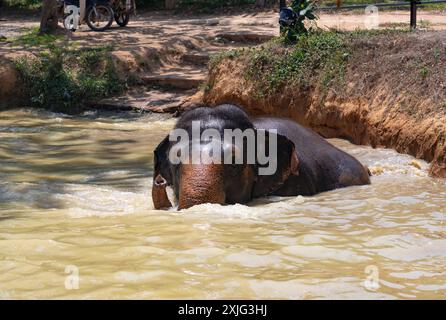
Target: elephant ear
point(162, 176)
point(286, 163)
point(161, 159)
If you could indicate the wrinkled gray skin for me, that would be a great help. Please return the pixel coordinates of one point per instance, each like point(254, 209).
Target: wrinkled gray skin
point(306, 164)
point(322, 166)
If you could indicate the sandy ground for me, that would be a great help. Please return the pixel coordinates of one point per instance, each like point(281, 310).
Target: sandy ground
point(169, 55)
point(393, 94)
point(163, 30)
point(170, 51)
point(154, 26)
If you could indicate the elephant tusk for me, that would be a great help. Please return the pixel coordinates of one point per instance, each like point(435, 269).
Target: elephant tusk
point(159, 193)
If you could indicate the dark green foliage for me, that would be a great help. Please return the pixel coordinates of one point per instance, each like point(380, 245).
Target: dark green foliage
point(213, 3)
point(64, 79)
point(149, 4)
point(205, 5)
point(24, 4)
point(305, 10)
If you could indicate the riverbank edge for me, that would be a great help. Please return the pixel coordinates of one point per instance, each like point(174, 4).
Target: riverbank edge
point(393, 96)
point(378, 105)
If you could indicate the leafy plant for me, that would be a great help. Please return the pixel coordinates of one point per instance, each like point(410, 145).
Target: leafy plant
point(424, 72)
point(63, 79)
point(303, 10)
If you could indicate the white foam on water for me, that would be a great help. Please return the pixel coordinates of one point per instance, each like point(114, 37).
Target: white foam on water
point(256, 209)
point(382, 161)
point(102, 201)
point(273, 247)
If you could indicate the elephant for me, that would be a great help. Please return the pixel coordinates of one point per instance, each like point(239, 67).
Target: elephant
point(305, 163)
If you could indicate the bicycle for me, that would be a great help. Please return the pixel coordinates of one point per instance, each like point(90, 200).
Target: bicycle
point(122, 10)
point(98, 14)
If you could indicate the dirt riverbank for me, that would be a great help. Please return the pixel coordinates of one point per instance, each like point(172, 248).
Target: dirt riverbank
point(393, 94)
point(166, 55)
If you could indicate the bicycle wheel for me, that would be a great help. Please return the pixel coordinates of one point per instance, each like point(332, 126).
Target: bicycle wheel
point(122, 19)
point(99, 17)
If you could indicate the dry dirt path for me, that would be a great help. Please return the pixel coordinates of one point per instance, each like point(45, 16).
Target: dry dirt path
point(168, 54)
point(186, 43)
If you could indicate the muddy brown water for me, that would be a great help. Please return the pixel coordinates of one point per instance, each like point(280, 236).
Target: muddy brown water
point(75, 212)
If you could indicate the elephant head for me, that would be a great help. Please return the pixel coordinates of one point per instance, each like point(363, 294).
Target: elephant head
point(235, 180)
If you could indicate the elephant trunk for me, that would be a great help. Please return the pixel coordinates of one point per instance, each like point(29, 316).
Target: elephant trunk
point(159, 193)
point(201, 183)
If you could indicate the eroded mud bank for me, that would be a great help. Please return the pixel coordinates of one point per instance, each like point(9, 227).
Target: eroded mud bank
point(10, 94)
point(392, 94)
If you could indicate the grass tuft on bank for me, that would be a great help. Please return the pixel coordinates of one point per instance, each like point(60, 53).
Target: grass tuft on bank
point(65, 78)
point(320, 54)
point(318, 58)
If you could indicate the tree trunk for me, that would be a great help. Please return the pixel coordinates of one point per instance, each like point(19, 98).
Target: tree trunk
point(282, 4)
point(261, 3)
point(48, 21)
point(170, 4)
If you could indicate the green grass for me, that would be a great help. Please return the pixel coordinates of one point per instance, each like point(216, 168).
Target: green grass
point(64, 79)
point(395, 25)
point(32, 38)
point(23, 4)
point(364, 33)
point(437, 52)
point(320, 54)
point(228, 54)
point(424, 72)
point(317, 58)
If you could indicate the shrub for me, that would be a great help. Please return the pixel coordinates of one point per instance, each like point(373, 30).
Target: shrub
point(304, 10)
point(65, 79)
